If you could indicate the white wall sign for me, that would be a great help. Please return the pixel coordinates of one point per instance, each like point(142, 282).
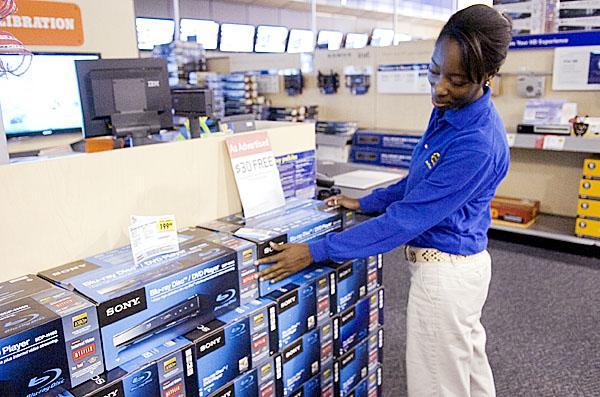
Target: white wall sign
point(576, 68)
point(403, 79)
point(256, 173)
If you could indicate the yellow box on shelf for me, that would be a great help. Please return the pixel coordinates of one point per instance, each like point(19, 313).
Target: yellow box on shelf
point(591, 168)
point(589, 188)
point(588, 208)
point(587, 228)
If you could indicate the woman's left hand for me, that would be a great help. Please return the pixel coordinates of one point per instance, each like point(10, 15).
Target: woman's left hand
point(290, 259)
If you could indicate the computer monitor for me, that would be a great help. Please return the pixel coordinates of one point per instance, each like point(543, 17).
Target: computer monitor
point(44, 100)
point(124, 97)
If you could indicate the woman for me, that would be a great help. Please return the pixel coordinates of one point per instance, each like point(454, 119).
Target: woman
point(441, 212)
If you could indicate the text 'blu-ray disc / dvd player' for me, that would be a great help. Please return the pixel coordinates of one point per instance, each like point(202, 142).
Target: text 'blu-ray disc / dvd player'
point(142, 306)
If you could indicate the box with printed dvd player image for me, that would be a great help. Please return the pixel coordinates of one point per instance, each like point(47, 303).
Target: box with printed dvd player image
point(246, 256)
point(141, 306)
point(297, 363)
point(259, 382)
point(49, 338)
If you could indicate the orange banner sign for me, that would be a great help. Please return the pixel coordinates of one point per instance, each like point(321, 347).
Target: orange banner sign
point(45, 23)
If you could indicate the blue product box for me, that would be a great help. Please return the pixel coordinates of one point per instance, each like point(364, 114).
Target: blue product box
point(383, 140)
point(370, 386)
point(49, 338)
point(259, 382)
point(310, 388)
point(264, 335)
point(142, 306)
point(374, 272)
point(350, 369)
point(297, 363)
point(299, 221)
point(353, 325)
point(388, 157)
point(166, 370)
point(356, 365)
point(223, 352)
point(296, 311)
point(321, 277)
point(349, 283)
point(246, 256)
point(326, 336)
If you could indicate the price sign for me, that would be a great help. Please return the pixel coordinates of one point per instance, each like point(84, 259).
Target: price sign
point(151, 236)
point(511, 139)
point(256, 173)
point(554, 142)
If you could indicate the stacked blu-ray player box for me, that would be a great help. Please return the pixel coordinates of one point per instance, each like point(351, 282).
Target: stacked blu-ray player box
point(329, 317)
point(197, 322)
point(383, 148)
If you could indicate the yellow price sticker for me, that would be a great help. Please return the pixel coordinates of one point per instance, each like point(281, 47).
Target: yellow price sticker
point(166, 225)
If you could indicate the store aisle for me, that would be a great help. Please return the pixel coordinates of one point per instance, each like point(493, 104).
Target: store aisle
point(542, 317)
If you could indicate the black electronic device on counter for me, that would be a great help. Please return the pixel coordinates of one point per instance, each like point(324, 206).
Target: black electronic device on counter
point(293, 84)
point(192, 103)
point(544, 129)
point(358, 83)
point(329, 83)
point(125, 97)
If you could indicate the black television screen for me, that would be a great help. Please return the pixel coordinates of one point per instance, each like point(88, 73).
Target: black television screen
point(301, 40)
point(154, 31)
point(45, 99)
point(271, 38)
point(204, 32)
point(237, 38)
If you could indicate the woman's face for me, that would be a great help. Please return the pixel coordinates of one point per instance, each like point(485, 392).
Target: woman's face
point(450, 85)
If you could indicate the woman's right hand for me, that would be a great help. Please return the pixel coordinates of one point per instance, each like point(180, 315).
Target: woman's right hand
point(343, 201)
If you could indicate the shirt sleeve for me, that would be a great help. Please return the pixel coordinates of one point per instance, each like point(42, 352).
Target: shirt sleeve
point(451, 184)
point(380, 199)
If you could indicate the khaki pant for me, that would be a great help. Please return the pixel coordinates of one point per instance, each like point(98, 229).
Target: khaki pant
point(445, 352)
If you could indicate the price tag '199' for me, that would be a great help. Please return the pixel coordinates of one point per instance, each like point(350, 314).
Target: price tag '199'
point(151, 236)
point(166, 225)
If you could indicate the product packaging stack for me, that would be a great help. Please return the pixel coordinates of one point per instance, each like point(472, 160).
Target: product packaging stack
point(184, 59)
point(241, 94)
point(290, 113)
point(588, 207)
point(530, 16)
point(518, 212)
point(197, 322)
point(383, 148)
point(334, 140)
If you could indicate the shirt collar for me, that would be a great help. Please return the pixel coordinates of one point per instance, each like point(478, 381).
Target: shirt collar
point(459, 118)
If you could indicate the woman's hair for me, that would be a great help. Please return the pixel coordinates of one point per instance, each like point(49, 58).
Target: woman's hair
point(483, 35)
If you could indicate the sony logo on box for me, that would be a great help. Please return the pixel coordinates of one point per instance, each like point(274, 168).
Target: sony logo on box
point(122, 307)
point(206, 347)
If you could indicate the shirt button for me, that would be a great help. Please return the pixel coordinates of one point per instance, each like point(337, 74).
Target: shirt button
point(426, 146)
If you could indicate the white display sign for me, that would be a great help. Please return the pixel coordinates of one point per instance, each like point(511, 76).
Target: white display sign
point(256, 173)
point(576, 68)
point(151, 236)
point(403, 79)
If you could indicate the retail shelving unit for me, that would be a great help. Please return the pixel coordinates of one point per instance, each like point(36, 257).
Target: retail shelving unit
point(548, 226)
